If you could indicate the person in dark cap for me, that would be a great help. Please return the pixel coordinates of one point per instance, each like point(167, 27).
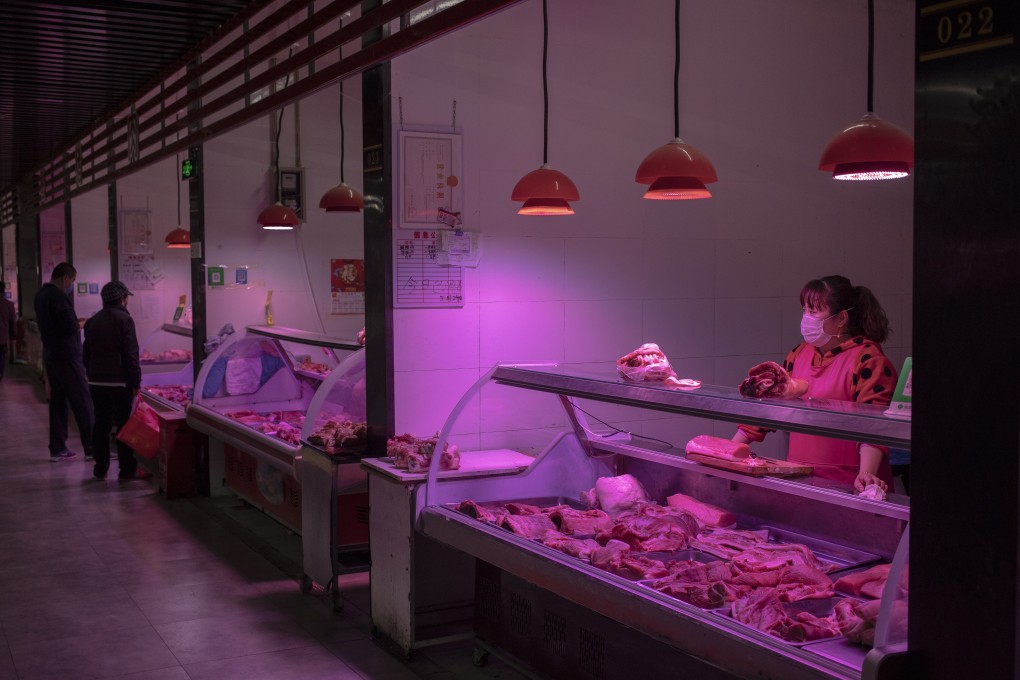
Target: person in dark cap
point(61, 340)
point(115, 376)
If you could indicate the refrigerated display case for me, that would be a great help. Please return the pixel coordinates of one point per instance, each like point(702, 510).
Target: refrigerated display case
point(564, 617)
point(254, 391)
point(269, 394)
point(168, 373)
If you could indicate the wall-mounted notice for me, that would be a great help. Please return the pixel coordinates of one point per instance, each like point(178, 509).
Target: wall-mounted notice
point(430, 166)
point(418, 278)
point(347, 286)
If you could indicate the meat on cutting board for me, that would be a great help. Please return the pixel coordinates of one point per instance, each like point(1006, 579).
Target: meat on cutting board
point(718, 447)
point(706, 514)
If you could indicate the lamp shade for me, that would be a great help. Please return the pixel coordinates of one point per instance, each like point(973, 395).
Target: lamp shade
point(545, 192)
point(869, 149)
point(676, 171)
point(342, 198)
point(178, 238)
point(279, 217)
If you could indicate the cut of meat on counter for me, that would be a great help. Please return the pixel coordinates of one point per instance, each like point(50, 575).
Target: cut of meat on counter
point(414, 454)
point(571, 521)
point(335, 434)
point(706, 514)
point(769, 379)
point(581, 548)
point(726, 543)
point(766, 556)
point(718, 447)
point(867, 583)
point(178, 394)
point(484, 513)
point(615, 494)
point(857, 619)
point(792, 584)
point(763, 610)
point(649, 529)
point(646, 363)
point(529, 526)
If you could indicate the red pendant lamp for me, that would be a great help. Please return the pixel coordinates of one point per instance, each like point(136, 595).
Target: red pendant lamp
point(871, 148)
point(179, 237)
point(676, 170)
point(342, 198)
point(278, 217)
point(545, 191)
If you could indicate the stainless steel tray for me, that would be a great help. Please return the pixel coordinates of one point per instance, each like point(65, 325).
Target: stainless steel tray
point(840, 557)
point(667, 556)
point(818, 607)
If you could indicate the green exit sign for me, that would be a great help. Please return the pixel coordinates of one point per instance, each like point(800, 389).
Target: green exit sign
point(188, 169)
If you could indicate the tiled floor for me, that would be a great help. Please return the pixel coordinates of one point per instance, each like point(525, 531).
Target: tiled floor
point(105, 579)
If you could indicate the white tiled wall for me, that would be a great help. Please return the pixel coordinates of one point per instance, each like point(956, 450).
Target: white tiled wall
point(714, 282)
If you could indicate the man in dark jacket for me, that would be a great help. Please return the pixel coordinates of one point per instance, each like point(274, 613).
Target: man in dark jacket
point(115, 376)
point(61, 340)
point(8, 325)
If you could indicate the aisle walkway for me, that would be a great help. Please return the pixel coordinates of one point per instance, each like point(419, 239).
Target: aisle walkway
point(106, 579)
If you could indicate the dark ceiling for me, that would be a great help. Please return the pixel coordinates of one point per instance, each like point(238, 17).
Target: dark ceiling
point(66, 66)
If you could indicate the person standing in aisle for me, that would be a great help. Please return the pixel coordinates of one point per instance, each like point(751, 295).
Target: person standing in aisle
point(115, 376)
point(841, 359)
point(61, 340)
point(8, 327)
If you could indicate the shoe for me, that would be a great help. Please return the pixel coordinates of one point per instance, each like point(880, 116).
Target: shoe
point(66, 454)
point(98, 474)
point(137, 474)
point(89, 458)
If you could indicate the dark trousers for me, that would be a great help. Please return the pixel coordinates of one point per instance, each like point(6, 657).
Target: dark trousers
point(3, 360)
point(68, 385)
point(113, 408)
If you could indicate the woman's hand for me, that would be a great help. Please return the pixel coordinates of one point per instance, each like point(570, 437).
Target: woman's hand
point(866, 478)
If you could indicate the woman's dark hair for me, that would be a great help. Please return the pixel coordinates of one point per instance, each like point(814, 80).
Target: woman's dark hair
point(865, 315)
point(63, 269)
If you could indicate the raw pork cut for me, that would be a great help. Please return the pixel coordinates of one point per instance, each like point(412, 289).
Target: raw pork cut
point(647, 362)
point(575, 547)
point(614, 494)
point(651, 533)
point(869, 583)
point(494, 513)
point(769, 379)
point(571, 521)
point(717, 447)
point(762, 609)
point(529, 526)
point(768, 556)
point(726, 543)
point(707, 515)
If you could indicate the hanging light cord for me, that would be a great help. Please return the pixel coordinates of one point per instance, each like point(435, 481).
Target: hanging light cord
point(341, 132)
point(279, 129)
point(676, 72)
point(545, 82)
point(871, 54)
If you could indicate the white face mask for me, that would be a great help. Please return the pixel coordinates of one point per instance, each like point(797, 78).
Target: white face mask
point(812, 328)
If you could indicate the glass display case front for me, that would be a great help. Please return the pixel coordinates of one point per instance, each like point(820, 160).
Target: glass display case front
point(255, 391)
point(752, 574)
point(168, 373)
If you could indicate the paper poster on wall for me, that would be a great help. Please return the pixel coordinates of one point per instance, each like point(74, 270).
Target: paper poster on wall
point(430, 174)
point(135, 235)
point(418, 278)
point(134, 270)
point(51, 250)
point(347, 286)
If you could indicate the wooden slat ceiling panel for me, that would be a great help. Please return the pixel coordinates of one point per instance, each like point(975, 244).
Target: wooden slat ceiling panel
point(63, 67)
